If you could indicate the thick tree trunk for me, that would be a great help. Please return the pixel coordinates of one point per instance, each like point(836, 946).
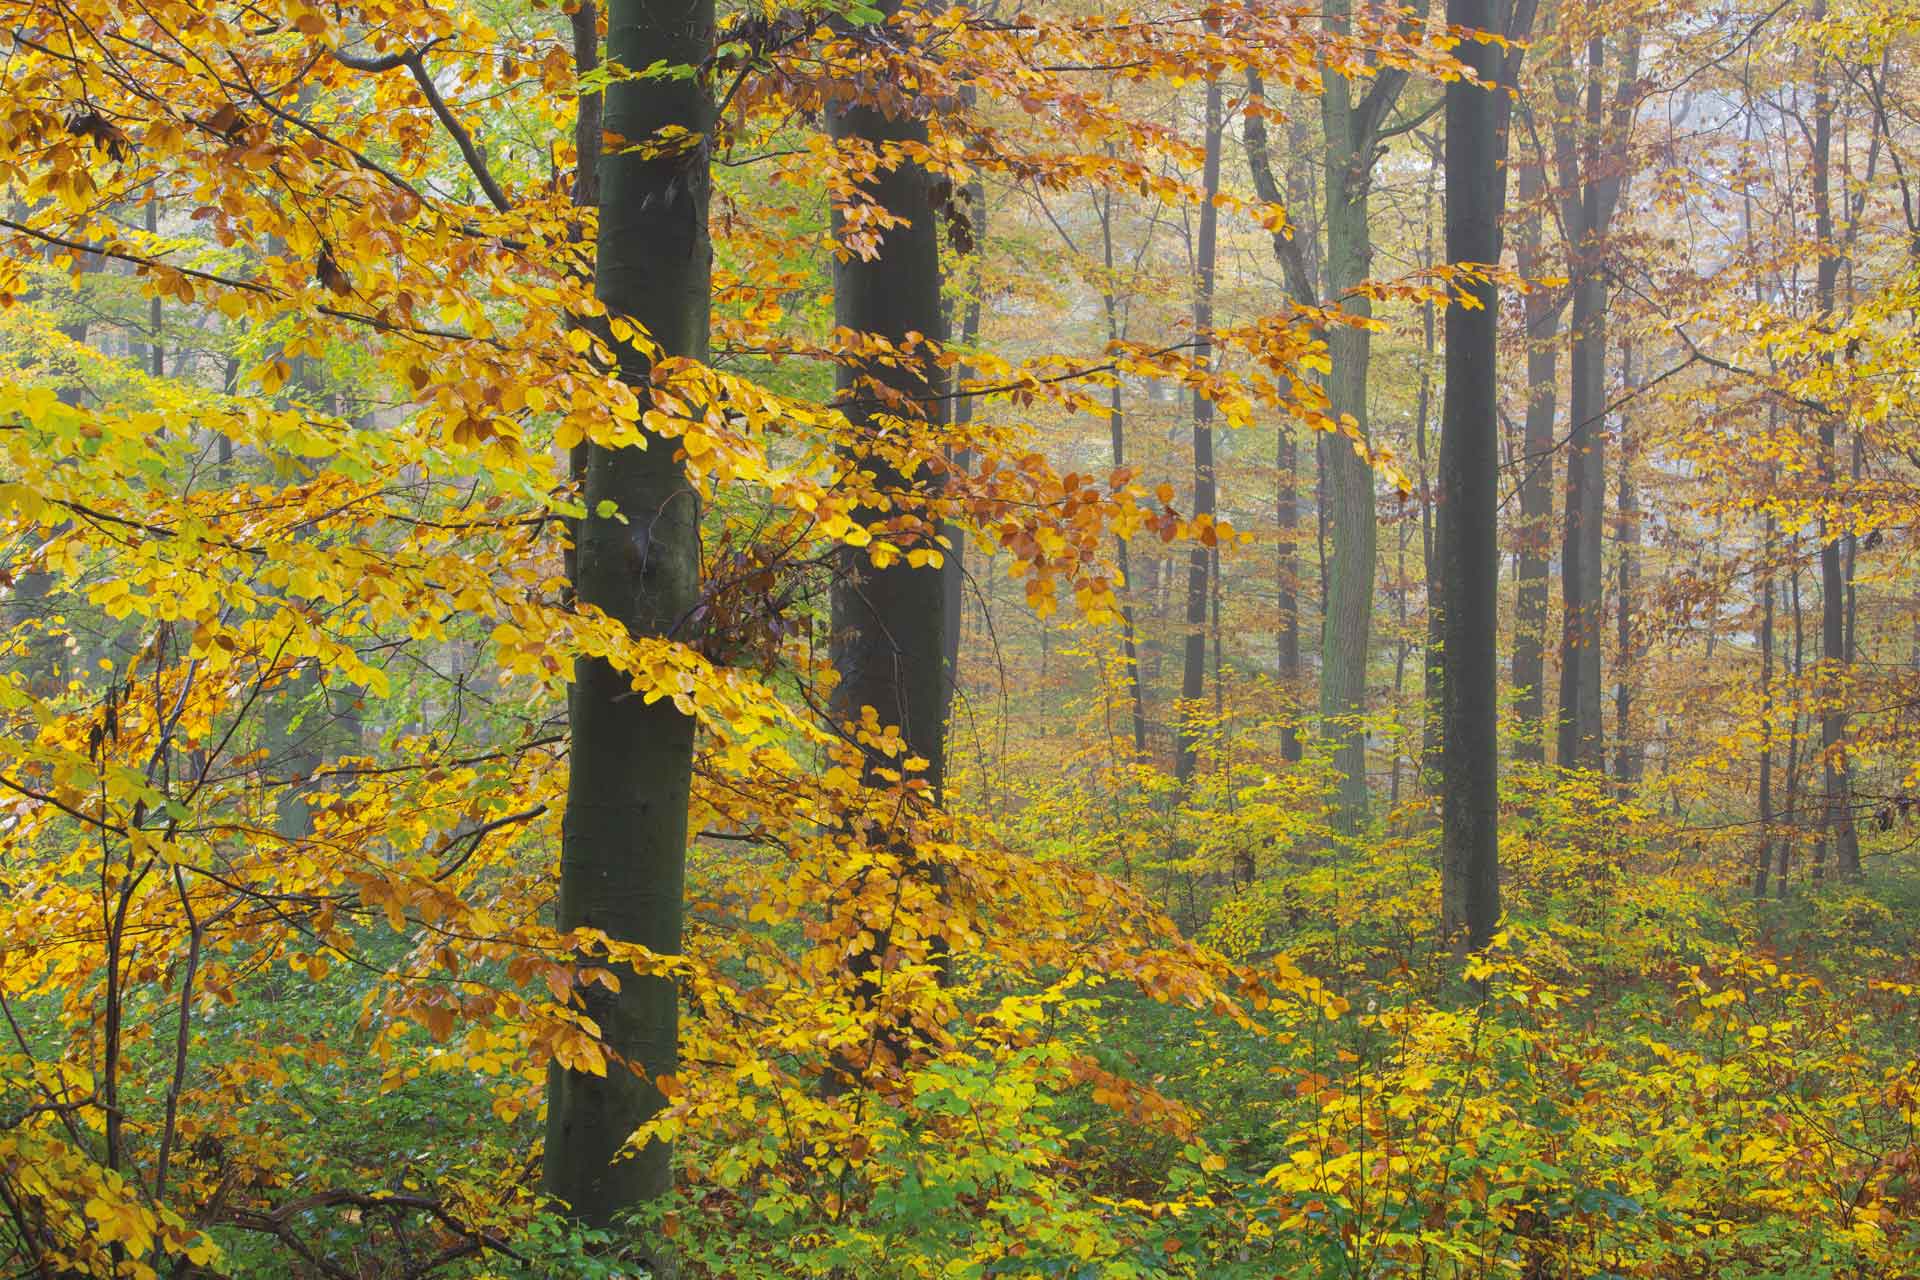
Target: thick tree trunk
point(1469, 498)
point(1352, 139)
point(1193, 674)
point(887, 623)
point(624, 837)
point(889, 633)
point(1353, 536)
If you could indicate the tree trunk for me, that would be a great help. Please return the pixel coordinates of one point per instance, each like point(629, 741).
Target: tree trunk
point(1469, 500)
point(1117, 425)
point(954, 561)
point(1193, 676)
point(1352, 138)
point(1588, 205)
point(624, 836)
point(1299, 274)
point(1628, 760)
point(1402, 650)
point(1352, 534)
point(1535, 533)
point(1432, 671)
point(888, 631)
point(1765, 861)
point(1836, 817)
point(1783, 854)
point(1286, 572)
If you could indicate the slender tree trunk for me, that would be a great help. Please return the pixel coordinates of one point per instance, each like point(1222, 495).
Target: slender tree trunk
point(1129, 633)
point(1535, 533)
point(1783, 856)
point(1628, 759)
point(1219, 648)
point(954, 564)
point(156, 345)
point(1117, 426)
point(584, 22)
point(1836, 817)
point(624, 836)
point(1580, 729)
point(1299, 274)
point(1851, 564)
point(1402, 650)
point(1193, 677)
point(1765, 861)
point(1588, 207)
point(1469, 500)
point(1286, 572)
point(1433, 673)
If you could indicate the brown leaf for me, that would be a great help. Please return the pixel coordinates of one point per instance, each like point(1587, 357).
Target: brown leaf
point(328, 272)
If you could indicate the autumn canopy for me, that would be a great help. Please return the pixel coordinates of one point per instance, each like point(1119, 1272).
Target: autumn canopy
point(651, 638)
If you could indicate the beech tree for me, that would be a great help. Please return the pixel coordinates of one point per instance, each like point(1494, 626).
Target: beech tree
point(1355, 118)
point(1468, 534)
point(624, 837)
point(1193, 667)
point(1591, 131)
point(1538, 450)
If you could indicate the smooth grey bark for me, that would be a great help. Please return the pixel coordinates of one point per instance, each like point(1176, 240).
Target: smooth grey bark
point(889, 628)
point(1402, 649)
point(1783, 853)
point(1468, 537)
point(156, 354)
point(1117, 432)
point(1590, 155)
point(1299, 274)
point(1353, 128)
point(1534, 535)
point(973, 209)
point(1286, 574)
point(888, 623)
point(1194, 668)
point(1628, 757)
point(1836, 815)
point(624, 835)
point(1764, 863)
point(1432, 669)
